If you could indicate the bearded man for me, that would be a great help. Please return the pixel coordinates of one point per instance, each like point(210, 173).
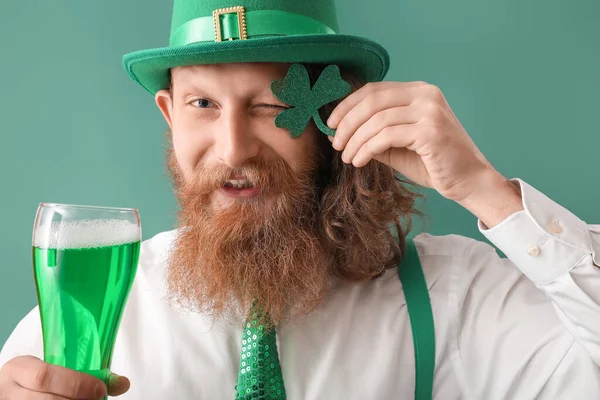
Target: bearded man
point(292, 274)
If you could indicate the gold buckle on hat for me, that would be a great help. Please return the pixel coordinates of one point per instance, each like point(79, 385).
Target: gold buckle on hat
point(241, 16)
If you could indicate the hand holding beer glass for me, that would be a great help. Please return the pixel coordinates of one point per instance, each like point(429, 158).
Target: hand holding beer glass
point(84, 261)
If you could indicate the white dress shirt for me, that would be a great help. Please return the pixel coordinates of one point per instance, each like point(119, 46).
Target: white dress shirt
point(526, 327)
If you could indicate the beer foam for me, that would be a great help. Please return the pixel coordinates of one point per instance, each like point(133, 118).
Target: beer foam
point(87, 233)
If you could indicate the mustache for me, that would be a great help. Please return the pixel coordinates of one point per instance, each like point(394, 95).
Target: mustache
point(273, 175)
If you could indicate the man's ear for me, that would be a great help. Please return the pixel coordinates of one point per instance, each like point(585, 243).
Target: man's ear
point(164, 101)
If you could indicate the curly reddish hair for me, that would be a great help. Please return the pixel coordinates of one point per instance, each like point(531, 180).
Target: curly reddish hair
point(366, 212)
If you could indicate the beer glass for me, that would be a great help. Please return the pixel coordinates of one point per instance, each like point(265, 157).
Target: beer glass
point(84, 263)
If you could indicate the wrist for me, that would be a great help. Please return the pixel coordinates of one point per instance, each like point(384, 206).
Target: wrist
point(495, 199)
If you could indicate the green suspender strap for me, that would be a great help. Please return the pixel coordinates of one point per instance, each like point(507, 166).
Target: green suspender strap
point(421, 320)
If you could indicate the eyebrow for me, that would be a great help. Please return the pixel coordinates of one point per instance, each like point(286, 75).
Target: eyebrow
point(191, 87)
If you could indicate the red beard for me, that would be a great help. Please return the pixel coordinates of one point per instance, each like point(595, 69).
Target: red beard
point(265, 250)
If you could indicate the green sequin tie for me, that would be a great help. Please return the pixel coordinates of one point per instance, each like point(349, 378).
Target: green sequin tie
point(260, 376)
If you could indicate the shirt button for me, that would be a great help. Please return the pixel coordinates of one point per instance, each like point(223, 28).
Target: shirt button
point(554, 227)
point(534, 251)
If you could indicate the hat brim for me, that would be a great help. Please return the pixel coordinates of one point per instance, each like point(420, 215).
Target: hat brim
point(366, 58)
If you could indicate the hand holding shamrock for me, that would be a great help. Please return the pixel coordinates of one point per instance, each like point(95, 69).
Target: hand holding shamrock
point(410, 127)
point(406, 125)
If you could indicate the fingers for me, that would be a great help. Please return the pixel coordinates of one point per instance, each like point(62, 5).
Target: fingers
point(14, 391)
point(36, 375)
point(384, 117)
point(117, 385)
point(379, 95)
point(398, 136)
point(378, 122)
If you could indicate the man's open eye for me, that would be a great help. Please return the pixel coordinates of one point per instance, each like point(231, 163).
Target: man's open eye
point(202, 103)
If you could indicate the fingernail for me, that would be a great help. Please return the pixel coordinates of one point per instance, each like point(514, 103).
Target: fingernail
point(117, 384)
point(113, 379)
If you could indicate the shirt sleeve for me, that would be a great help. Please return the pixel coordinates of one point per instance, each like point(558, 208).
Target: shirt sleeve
point(25, 340)
point(559, 253)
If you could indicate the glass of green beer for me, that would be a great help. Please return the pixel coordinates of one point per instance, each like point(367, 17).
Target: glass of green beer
point(84, 263)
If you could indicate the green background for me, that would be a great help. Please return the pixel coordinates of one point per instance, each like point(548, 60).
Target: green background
point(521, 75)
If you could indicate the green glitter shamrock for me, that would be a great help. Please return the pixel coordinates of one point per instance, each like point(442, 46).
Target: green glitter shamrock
point(295, 91)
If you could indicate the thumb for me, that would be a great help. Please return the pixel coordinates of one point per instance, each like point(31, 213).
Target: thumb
point(117, 385)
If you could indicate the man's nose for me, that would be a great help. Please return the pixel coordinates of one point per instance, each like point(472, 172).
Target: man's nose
point(236, 143)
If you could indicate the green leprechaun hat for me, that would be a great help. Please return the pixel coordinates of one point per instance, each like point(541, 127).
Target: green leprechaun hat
point(229, 31)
